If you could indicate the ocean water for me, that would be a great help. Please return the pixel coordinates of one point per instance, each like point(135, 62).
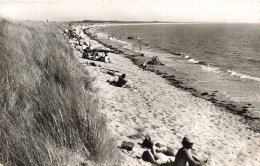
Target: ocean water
point(224, 58)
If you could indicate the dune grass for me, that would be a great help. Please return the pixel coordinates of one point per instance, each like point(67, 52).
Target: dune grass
point(48, 111)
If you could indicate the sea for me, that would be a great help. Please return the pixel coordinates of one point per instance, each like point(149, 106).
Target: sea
point(220, 58)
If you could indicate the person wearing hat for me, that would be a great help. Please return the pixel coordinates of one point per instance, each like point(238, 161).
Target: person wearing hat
point(184, 155)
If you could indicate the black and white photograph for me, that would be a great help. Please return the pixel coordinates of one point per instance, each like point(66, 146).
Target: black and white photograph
point(129, 82)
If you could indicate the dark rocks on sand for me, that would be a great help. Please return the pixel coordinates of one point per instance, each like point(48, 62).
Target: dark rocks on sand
point(202, 63)
point(177, 54)
point(127, 145)
point(205, 93)
point(111, 73)
point(92, 64)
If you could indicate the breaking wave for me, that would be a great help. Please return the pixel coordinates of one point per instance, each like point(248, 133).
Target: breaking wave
point(240, 75)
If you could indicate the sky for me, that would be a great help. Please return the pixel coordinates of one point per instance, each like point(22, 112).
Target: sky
point(235, 11)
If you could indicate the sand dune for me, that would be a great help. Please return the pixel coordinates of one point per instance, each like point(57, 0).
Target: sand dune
point(150, 105)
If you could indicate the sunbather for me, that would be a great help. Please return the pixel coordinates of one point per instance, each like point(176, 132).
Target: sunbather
point(106, 59)
point(168, 151)
point(157, 157)
point(120, 82)
point(184, 155)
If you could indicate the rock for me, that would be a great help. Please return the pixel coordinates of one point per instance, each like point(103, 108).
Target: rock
point(127, 145)
point(92, 64)
point(204, 94)
point(202, 63)
point(87, 163)
point(111, 73)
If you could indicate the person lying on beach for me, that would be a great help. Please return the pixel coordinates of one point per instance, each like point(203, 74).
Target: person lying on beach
point(184, 155)
point(120, 82)
point(168, 151)
point(104, 58)
point(157, 157)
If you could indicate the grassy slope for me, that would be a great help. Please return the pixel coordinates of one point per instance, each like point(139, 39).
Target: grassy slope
point(48, 115)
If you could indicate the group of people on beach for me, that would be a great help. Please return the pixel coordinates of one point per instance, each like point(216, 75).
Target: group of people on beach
point(163, 155)
point(97, 55)
point(71, 33)
point(156, 153)
point(155, 60)
point(92, 55)
point(87, 50)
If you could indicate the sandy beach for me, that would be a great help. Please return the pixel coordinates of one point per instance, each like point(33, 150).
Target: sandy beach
point(150, 105)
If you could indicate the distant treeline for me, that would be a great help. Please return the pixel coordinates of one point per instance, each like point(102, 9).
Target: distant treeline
point(116, 21)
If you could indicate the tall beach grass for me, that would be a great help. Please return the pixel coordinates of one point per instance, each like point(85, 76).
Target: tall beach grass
point(48, 111)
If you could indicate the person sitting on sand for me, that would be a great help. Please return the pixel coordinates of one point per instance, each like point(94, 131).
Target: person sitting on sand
point(85, 47)
point(184, 155)
point(157, 157)
point(86, 50)
point(156, 60)
point(144, 65)
point(120, 82)
point(106, 59)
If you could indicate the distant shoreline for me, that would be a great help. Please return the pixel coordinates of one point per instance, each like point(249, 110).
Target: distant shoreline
point(151, 22)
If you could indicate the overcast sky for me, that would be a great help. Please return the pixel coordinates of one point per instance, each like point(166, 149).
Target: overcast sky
point(133, 10)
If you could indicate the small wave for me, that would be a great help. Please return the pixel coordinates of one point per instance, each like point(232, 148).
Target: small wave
point(114, 38)
point(120, 41)
point(233, 73)
point(193, 61)
point(254, 60)
point(211, 69)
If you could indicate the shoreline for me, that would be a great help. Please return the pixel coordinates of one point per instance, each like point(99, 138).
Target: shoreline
point(178, 80)
point(151, 105)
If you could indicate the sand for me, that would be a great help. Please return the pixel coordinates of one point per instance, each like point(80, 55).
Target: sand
point(150, 105)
